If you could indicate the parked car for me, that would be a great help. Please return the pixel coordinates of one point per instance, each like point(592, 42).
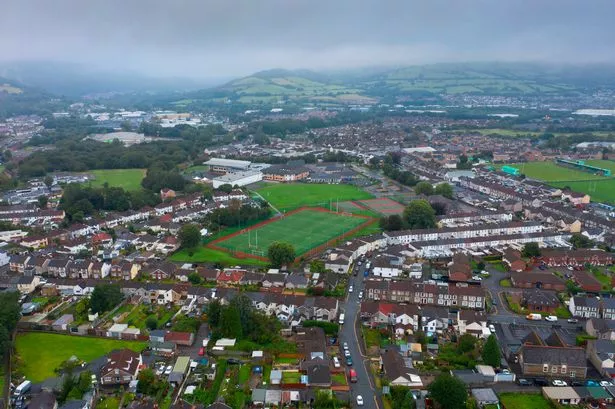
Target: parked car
point(577, 383)
point(168, 370)
point(557, 382)
point(201, 351)
point(606, 383)
point(360, 295)
point(349, 360)
point(524, 382)
point(573, 320)
point(359, 400)
point(346, 353)
point(477, 278)
point(336, 362)
point(492, 328)
point(551, 318)
point(346, 346)
point(541, 382)
point(350, 289)
point(591, 383)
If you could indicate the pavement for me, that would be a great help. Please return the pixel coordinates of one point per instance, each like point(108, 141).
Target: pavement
point(350, 333)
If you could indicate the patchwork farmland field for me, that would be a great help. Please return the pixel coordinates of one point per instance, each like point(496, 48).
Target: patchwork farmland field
point(384, 206)
point(288, 196)
point(305, 229)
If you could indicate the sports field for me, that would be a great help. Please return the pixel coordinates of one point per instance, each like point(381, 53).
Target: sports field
point(288, 196)
point(383, 205)
point(129, 179)
point(305, 229)
point(550, 172)
point(41, 353)
point(600, 188)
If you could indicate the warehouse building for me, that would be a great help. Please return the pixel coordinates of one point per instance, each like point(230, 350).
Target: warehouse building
point(238, 178)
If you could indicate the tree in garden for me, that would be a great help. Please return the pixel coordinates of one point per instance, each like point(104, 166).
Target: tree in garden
point(214, 310)
point(491, 352)
point(151, 323)
point(420, 215)
point(531, 250)
point(105, 297)
point(449, 392)
point(195, 278)
point(231, 320)
point(445, 190)
point(280, 253)
point(423, 188)
point(466, 343)
point(189, 236)
point(579, 241)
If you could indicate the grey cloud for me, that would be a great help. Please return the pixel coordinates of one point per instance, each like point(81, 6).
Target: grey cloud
point(209, 38)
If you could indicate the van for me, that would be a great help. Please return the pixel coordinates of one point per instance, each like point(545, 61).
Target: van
point(534, 317)
point(353, 376)
point(341, 319)
point(23, 388)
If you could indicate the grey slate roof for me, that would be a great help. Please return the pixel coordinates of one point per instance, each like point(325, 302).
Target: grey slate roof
point(570, 356)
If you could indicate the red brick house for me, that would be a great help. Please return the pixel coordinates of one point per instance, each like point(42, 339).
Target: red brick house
point(586, 282)
point(546, 281)
point(576, 258)
point(513, 259)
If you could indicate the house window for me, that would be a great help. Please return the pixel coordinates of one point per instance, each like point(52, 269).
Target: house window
point(554, 369)
point(573, 374)
point(564, 369)
point(545, 367)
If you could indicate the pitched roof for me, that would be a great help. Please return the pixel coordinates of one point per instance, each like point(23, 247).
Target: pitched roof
point(123, 359)
point(543, 354)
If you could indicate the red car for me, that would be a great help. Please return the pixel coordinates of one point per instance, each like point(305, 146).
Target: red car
point(201, 351)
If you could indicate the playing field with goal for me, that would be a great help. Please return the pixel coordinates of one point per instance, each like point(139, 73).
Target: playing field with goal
point(304, 229)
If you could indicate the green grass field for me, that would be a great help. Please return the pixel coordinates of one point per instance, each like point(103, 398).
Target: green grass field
point(304, 230)
point(600, 188)
point(524, 401)
point(207, 255)
point(129, 179)
point(294, 195)
point(40, 353)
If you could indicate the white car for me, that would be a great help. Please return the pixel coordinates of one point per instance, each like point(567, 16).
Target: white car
point(477, 278)
point(350, 289)
point(359, 400)
point(346, 346)
point(492, 328)
point(336, 362)
point(557, 382)
point(168, 370)
point(606, 383)
point(360, 295)
point(346, 353)
point(551, 318)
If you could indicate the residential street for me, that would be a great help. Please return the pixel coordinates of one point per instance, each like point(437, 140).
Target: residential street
point(350, 332)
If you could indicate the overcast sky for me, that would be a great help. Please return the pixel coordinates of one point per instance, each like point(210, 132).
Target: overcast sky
point(222, 38)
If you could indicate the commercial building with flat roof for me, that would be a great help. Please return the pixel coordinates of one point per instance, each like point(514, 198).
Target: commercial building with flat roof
point(220, 165)
point(238, 178)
